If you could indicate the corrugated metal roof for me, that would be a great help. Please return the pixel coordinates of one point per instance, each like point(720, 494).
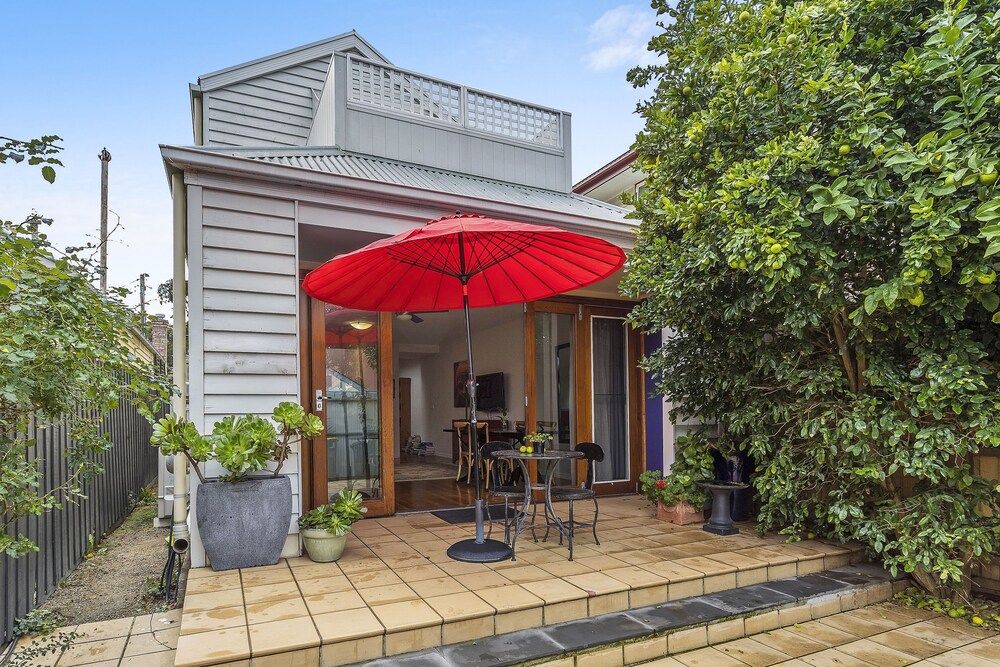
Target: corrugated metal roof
point(426, 178)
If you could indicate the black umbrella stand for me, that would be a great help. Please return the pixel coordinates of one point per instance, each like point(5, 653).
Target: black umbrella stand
point(479, 549)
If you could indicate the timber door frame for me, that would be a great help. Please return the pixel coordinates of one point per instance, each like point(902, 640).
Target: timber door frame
point(312, 333)
point(583, 311)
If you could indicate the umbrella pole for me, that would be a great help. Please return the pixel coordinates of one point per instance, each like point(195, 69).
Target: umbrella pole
point(478, 550)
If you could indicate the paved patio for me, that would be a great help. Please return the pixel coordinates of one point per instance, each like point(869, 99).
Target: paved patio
point(395, 590)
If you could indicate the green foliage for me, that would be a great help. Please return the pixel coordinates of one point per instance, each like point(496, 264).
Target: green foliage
point(538, 437)
point(242, 445)
point(64, 359)
point(38, 623)
point(820, 230)
point(977, 612)
point(34, 653)
point(336, 517)
point(693, 463)
point(38, 151)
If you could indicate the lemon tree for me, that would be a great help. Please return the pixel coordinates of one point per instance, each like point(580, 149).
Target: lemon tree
point(820, 228)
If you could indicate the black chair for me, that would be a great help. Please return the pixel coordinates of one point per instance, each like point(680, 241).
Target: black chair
point(594, 453)
point(510, 490)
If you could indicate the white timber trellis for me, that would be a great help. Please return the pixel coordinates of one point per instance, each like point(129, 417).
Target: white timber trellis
point(408, 93)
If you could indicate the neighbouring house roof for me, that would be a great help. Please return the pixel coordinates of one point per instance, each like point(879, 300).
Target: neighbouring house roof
point(606, 173)
point(315, 164)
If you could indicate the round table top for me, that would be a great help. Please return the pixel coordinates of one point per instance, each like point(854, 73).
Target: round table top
point(549, 455)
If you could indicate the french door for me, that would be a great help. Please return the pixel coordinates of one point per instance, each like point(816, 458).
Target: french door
point(347, 382)
point(585, 385)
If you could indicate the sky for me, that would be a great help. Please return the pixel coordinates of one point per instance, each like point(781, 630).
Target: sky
point(115, 74)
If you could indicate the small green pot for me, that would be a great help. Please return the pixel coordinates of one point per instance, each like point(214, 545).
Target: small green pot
point(322, 545)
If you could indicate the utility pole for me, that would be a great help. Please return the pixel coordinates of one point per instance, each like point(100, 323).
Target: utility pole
point(142, 297)
point(105, 157)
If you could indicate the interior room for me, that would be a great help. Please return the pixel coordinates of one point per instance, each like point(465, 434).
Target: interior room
point(429, 353)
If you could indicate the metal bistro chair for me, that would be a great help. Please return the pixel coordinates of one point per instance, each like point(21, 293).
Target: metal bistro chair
point(510, 489)
point(594, 453)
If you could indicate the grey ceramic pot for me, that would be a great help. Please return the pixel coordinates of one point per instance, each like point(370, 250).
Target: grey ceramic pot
point(244, 524)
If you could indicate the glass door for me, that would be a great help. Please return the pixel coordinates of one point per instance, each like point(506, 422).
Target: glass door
point(350, 390)
point(555, 383)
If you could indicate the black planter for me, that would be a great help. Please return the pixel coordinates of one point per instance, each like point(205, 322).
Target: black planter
point(736, 468)
point(244, 524)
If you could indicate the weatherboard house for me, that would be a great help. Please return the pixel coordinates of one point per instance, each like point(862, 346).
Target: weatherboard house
point(319, 150)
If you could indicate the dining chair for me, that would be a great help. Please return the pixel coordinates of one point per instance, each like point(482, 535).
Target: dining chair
point(464, 429)
point(594, 453)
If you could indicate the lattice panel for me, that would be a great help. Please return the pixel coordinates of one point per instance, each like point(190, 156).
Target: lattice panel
point(512, 119)
point(406, 93)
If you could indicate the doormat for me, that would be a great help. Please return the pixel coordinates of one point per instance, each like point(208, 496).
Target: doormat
point(468, 514)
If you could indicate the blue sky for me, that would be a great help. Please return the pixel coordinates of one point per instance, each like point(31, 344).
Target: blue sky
point(116, 74)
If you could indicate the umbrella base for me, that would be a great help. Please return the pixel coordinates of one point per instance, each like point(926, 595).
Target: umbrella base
point(487, 551)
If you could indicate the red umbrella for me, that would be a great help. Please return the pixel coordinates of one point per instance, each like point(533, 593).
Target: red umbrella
point(465, 261)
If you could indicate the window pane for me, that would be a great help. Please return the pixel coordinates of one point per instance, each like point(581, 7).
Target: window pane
point(352, 401)
point(611, 397)
point(555, 385)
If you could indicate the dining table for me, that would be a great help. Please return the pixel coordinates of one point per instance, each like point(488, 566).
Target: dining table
point(551, 458)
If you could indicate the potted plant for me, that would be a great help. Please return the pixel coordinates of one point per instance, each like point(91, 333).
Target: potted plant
point(324, 529)
point(677, 496)
point(243, 517)
point(535, 443)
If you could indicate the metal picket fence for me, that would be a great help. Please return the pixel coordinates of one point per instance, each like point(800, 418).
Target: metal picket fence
point(63, 536)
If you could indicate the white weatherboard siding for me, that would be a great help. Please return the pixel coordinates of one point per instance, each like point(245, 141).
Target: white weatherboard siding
point(244, 316)
point(275, 109)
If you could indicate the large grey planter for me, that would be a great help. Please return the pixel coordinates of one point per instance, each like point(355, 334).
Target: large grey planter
point(244, 524)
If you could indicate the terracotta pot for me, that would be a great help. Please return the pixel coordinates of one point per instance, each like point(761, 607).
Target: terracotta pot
point(682, 513)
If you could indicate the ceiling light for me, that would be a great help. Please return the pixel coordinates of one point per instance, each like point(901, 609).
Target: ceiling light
point(361, 325)
point(406, 317)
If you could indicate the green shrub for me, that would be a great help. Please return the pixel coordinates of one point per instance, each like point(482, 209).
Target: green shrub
point(820, 230)
point(693, 463)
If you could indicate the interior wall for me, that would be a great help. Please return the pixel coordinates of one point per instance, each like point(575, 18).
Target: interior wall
point(419, 419)
point(499, 348)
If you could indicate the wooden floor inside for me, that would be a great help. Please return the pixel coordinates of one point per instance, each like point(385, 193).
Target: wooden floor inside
point(433, 494)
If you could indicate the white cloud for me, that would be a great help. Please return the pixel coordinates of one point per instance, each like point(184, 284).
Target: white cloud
point(619, 37)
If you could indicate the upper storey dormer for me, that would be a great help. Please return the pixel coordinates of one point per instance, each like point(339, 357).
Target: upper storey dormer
point(342, 93)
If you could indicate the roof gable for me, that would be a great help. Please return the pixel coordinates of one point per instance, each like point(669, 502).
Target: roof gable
point(349, 42)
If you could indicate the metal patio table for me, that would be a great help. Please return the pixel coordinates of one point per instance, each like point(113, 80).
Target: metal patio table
point(551, 457)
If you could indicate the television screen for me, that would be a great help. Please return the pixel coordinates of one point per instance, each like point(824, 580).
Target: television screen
point(490, 394)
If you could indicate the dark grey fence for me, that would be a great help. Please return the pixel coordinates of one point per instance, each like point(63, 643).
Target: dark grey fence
point(63, 535)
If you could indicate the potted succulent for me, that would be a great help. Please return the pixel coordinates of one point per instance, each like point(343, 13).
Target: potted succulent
point(677, 496)
point(324, 529)
point(243, 517)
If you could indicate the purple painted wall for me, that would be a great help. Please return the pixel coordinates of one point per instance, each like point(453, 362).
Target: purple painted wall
point(654, 412)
